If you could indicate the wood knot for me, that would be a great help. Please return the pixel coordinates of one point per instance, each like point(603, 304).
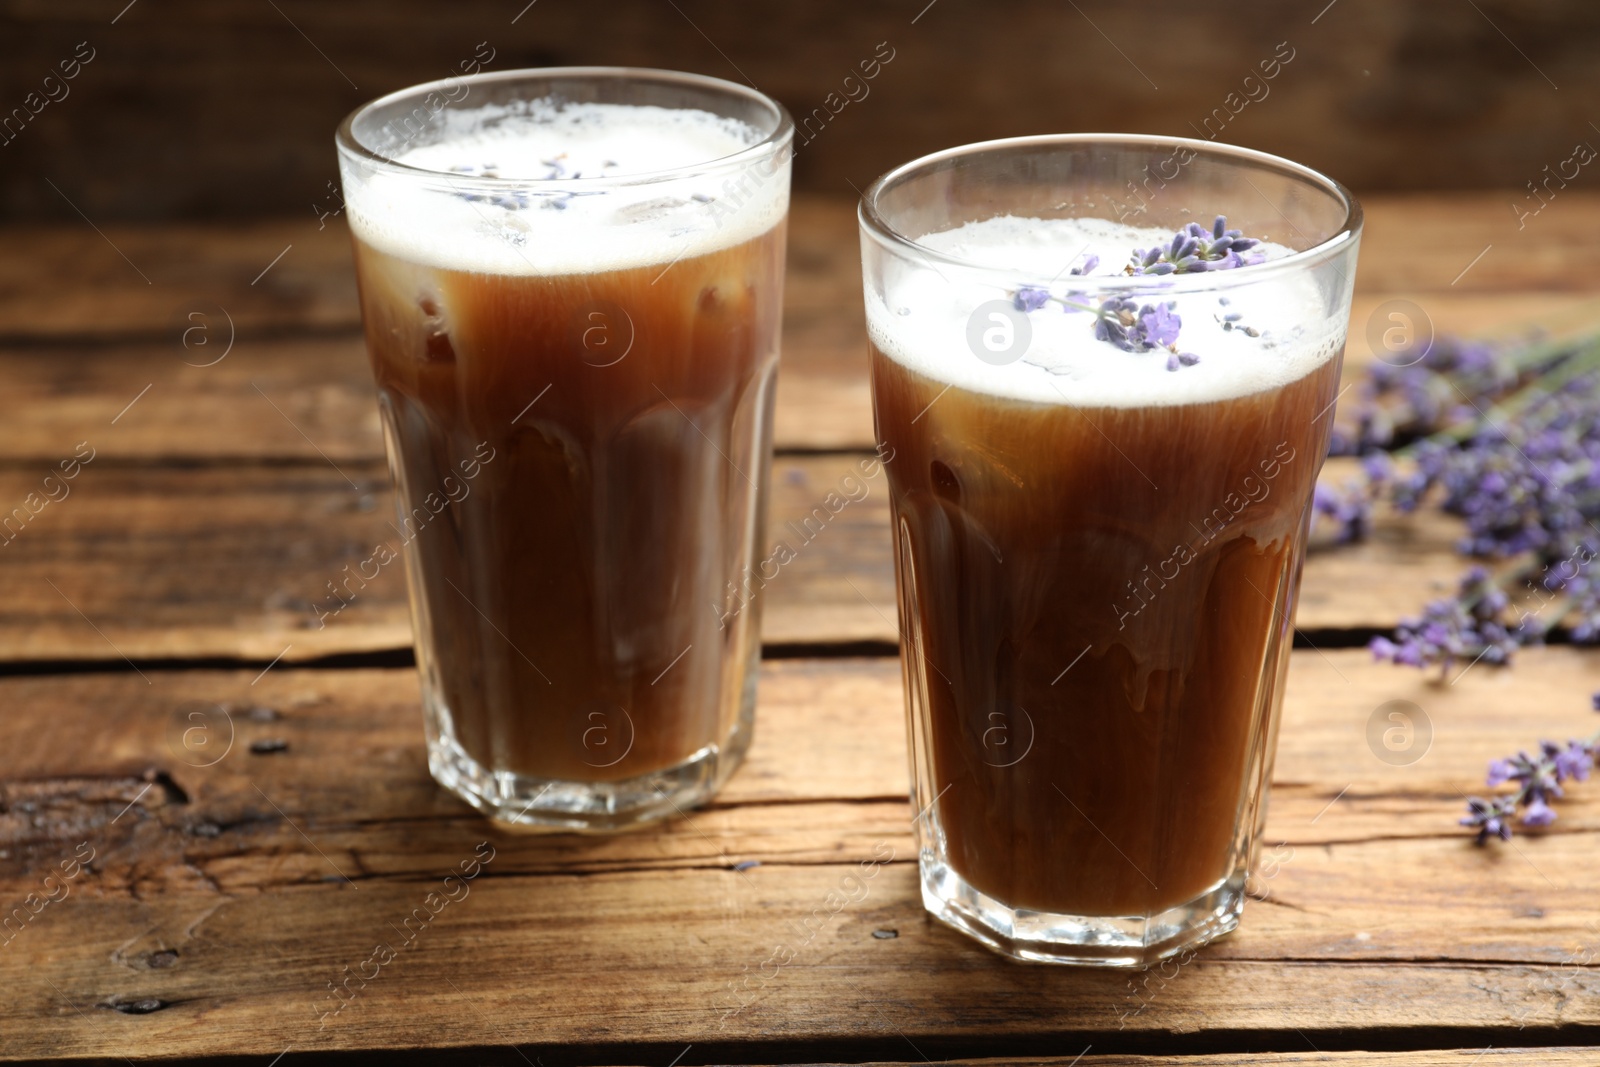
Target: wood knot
point(142, 1006)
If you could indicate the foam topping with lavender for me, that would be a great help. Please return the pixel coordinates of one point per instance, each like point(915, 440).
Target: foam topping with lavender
point(1149, 348)
point(523, 227)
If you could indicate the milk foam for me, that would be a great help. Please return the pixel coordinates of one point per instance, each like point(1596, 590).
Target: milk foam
point(921, 320)
point(549, 232)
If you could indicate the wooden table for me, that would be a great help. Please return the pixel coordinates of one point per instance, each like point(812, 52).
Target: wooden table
point(228, 485)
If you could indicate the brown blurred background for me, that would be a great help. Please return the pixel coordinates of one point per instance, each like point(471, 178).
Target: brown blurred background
point(194, 110)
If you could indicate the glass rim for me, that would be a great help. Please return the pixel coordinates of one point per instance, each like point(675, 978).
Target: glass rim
point(873, 222)
point(780, 136)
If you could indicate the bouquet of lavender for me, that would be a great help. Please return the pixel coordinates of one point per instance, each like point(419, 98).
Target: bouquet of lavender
point(1506, 437)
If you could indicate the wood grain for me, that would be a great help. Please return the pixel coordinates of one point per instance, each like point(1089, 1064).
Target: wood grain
point(169, 562)
point(831, 733)
point(1376, 917)
point(236, 561)
point(75, 353)
point(242, 102)
point(214, 338)
point(139, 553)
point(225, 895)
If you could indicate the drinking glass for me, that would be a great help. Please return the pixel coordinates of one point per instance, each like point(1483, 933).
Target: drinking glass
point(571, 284)
point(1101, 479)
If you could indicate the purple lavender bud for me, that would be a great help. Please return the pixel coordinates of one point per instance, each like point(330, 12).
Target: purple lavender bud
point(1029, 298)
point(1377, 466)
point(1219, 227)
point(1161, 268)
point(1574, 762)
point(1112, 331)
point(1172, 361)
point(1217, 247)
point(1160, 325)
point(1491, 818)
point(1500, 772)
point(1150, 257)
point(1244, 244)
point(1537, 812)
point(1192, 265)
point(1188, 359)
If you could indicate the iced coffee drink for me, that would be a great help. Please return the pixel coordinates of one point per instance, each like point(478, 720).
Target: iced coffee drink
point(571, 286)
point(1105, 436)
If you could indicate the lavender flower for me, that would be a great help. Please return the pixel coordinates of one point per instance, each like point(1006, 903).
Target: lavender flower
point(1466, 627)
point(1160, 324)
point(1192, 250)
point(1538, 780)
point(1491, 818)
point(1507, 438)
point(1349, 508)
point(1132, 327)
point(1030, 298)
point(1412, 394)
point(517, 199)
point(1575, 762)
point(1583, 595)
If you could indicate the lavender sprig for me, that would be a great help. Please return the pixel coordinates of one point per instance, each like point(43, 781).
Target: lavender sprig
point(1130, 326)
point(517, 199)
point(1193, 250)
point(1507, 438)
point(1467, 627)
point(1539, 779)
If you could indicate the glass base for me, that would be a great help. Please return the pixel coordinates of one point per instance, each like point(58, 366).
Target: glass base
point(1096, 940)
point(530, 802)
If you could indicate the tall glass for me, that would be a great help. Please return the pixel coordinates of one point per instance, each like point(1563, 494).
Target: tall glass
point(571, 282)
point(1104, 446)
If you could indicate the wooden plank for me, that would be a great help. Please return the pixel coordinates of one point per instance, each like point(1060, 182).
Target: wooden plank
point(207, 338)
point(1464, 98)
point(67, 379)
point(633, 967)
point(235, 561)
point(1429, 1058)
point(72, 284)
point(167, 562)
point(215, 895)
point(293, 399)
point(830, 742)
point(60, 393)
